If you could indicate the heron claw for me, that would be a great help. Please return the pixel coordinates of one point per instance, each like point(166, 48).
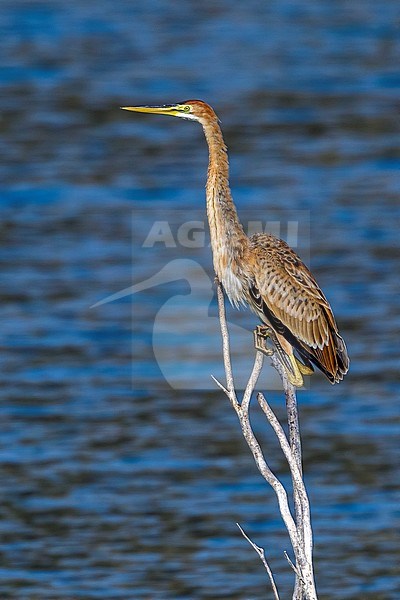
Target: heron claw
point(261, 335)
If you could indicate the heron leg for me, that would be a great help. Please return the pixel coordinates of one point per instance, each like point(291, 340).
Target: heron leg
point(293, 368)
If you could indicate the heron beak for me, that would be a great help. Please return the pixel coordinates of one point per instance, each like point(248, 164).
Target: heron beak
point(173, 110)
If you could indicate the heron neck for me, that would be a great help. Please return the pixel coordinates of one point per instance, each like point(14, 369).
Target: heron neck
point(228, 239)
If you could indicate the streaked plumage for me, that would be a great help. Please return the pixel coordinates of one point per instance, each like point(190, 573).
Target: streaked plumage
point(286, 295)
point(263, 271)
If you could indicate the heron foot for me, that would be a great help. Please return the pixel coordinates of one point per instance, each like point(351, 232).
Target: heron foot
point(262, 334)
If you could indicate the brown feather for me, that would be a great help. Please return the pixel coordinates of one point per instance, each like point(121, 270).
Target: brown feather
point(292, 299)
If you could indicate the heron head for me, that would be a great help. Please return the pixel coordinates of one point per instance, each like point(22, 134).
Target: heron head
point(193, 110)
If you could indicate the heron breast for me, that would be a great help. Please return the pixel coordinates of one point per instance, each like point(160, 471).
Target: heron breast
point(233, 286)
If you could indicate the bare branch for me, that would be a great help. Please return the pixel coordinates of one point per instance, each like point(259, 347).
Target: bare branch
point(261, 554)
point(291, 563)
point(220, 385)
point(251, 384)
point(295, 445)
point(225, 344)
point(243, 414)
point(294, 469)
point(299, 529)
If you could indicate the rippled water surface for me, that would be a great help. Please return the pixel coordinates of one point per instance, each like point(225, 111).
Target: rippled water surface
point(123, 471)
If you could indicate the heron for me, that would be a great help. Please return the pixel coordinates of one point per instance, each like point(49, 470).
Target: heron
point(262, 271)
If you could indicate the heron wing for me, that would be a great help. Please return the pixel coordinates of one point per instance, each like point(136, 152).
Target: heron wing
point(288, 296)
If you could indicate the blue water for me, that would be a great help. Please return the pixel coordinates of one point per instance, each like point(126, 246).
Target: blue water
point(122, 467)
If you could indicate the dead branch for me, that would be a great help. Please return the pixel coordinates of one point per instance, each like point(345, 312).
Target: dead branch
point(299, 526)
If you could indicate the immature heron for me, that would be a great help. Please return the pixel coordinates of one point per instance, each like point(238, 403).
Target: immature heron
point(263, 271)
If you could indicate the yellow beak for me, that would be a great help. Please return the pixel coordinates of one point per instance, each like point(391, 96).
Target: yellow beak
point(175, 110)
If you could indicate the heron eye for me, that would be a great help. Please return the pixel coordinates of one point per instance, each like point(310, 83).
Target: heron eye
point(186, 108)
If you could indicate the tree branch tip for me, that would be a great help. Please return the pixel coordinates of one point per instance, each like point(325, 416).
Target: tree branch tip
point(261, 554)
point(220, 385)
point(259, 550)
point(295, 569)
point(244, 534)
